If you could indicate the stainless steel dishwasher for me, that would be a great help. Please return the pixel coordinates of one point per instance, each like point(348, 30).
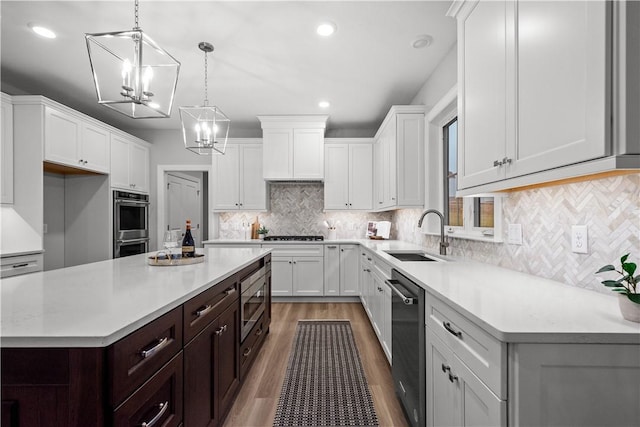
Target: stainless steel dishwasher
point(408, 346)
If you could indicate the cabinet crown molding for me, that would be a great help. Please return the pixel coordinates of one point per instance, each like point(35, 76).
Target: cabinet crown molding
point(298, 121)
point(399, 109)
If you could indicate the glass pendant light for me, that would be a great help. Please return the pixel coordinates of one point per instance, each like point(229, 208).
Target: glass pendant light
point(132, 74)
point(205, 128)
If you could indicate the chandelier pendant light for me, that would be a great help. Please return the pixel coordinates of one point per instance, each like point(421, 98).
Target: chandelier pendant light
point(205, 128)
point(132, 74)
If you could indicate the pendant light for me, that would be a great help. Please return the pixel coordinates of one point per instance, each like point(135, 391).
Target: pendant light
point(205, 128)
point(132, 74)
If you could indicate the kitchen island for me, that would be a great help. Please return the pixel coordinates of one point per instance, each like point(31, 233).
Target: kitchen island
point(120, 341)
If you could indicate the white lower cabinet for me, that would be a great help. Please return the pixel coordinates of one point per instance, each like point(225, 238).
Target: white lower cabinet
point(455, 395)
point(297, 270)
point(376, 299)
point(341, 270)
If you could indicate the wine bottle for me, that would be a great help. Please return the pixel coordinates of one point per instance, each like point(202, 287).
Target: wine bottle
point(188, 245)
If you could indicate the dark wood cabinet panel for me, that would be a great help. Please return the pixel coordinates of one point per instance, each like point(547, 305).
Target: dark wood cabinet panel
point(211, 370)
point(52, 387)
point(158, 402)
point(205, 307)
point(133, 359)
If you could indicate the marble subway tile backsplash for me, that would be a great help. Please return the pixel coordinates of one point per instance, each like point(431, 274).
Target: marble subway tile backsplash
point(297, 209)
point(610, 207)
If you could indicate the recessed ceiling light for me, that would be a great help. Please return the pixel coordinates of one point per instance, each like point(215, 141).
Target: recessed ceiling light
point(42, 31)
point(326, 29)
point(422, 41)
point(324, 104)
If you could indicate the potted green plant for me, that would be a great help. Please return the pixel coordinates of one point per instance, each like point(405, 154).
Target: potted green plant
point(262, 231)
point(627, 288)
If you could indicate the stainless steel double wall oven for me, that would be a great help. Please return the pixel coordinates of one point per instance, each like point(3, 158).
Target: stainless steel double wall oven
point(130, 224)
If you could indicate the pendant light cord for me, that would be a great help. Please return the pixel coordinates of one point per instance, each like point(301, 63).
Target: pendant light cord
point(206, 81)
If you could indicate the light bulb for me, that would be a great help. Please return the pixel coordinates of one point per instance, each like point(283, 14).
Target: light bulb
point(126, 73)
point(146, 78)
point(197, 131)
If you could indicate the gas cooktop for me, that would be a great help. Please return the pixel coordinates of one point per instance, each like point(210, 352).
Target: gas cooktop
point(294, 238)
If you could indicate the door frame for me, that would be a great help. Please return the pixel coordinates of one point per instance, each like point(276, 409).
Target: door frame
point(198, 181)
point(161, 184)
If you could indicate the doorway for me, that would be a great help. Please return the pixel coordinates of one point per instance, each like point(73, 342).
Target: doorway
point(184, 201)
point(179, 189)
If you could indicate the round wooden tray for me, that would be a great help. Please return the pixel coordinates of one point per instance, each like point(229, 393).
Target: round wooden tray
point(154, 260)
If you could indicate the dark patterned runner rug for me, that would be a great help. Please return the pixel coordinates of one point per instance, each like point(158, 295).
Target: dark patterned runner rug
point(325, 383)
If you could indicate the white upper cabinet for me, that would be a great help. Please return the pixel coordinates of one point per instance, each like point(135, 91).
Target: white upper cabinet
point(536, 93)
point(293, 147)
point(348, 177)
point(6, 162)
point(399, 159)
point(238, 181)
point(129, 164)
point(72, 140)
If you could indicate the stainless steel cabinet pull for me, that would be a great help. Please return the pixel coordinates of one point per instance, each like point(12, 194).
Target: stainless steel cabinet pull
point(452, 378)
point(219, 331)
point(259, 332)
point(497, 163)
point(158, 346)
point(368, 258)
point(446, 368)
point(163, 408)
point(405, 299)
point(506, 161)
point(230, 291)
point(247, 352)
point(203, 310)
point(452, 331)
point(332, 247)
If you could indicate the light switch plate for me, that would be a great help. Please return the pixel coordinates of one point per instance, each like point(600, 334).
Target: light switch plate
point(514, 236)
point(579, 239)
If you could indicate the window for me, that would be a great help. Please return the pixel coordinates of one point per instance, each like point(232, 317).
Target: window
point(463, 216)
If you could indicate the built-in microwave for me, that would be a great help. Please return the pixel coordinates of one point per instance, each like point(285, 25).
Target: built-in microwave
point(130, 223)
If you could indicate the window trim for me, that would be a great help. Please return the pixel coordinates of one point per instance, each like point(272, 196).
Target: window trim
point(444, 111)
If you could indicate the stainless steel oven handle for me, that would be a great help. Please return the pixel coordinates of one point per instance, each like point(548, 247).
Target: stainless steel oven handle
point(131, 202)
point(406, 300)
point(132, 241)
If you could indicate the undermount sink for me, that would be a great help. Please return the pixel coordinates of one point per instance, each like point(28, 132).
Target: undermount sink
point(411, 256)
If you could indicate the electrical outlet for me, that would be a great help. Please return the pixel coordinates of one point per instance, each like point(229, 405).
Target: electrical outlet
point(579, 239)
point(514, 236)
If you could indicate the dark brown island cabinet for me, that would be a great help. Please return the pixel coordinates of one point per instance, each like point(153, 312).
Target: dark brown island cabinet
point(184, 368)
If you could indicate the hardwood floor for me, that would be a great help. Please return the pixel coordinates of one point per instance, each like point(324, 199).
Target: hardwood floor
point(257, 401)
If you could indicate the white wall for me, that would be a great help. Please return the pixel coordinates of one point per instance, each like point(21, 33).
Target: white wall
point(443, 78)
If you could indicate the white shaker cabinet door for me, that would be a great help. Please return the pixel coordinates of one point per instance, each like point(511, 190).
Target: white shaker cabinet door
point(61, 137)
point(226, 175)
point(278, 154)
point(95, 147)
point(360, 176)
point(119, 162)
point(482, 76)
point(308, 276)
point(139, 172)
point(336, 177)
point(332, 270)
point(308, 153)
point(253, 188)
point(281, 276)
point(349, 270)
point(562, 85)
point(443, 399)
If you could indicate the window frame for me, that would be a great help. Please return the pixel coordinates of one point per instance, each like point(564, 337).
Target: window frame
point(442, 114)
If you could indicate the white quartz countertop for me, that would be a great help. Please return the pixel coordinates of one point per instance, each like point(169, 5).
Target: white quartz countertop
point(94, 305)
point(511, 306)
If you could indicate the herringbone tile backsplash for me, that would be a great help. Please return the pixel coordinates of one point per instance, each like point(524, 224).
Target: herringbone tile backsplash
point(297, 209)
point(610, 207)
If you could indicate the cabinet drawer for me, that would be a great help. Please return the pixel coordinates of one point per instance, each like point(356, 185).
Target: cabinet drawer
point(21, 264)
point(482, 353)
point(295, 250)
point(200, 310)
point(157, 402)
point(133, 359)
point(249, 348)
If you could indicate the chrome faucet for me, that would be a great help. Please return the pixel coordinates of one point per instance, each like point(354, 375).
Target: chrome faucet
point(443, 239)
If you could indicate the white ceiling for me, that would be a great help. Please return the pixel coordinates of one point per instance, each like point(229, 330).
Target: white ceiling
point(267, 60)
